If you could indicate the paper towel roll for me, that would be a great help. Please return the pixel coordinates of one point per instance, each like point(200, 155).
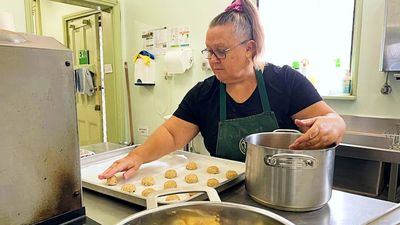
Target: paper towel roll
point(7, 21)
point(178, 61)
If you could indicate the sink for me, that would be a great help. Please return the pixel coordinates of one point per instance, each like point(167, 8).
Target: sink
point(369, 146)
point(370, 140)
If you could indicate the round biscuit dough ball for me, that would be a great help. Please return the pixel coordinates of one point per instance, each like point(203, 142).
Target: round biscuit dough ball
point(213, 170)
point(148, 181)
point(147, 191)
point(112, 181)
point(128, 188)
point(191, 178)
point(172, 198)
point(230, 174)
point(169, 174)
point(191, 166)
point(170, 184)
point(212, 182)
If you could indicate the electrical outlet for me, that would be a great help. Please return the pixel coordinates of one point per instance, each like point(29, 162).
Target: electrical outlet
point(143, 131)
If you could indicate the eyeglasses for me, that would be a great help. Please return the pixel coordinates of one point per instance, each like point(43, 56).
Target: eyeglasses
point(219, 53)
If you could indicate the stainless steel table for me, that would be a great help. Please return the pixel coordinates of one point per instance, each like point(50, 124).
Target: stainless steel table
point(343, 208)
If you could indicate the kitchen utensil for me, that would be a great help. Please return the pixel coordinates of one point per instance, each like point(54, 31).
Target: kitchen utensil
point(213, 212)
point(292, 180)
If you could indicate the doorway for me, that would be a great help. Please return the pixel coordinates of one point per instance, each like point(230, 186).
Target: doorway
point(101, 115)
point(83, 38)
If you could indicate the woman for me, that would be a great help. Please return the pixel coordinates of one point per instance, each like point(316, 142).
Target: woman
point(244, 97)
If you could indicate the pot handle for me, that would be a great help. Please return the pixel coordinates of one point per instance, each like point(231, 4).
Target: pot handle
point(152, 203)
point(287, 130)
point(291, 161)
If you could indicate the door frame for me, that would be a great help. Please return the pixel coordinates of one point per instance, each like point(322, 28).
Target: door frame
point(116, 133)
point(31, 27)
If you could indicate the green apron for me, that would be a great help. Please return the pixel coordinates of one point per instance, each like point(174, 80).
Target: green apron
point(231, 131)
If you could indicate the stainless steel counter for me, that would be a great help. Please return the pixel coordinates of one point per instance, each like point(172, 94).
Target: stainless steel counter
point(342, 209)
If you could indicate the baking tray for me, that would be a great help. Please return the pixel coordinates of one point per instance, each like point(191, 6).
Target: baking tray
point(93, 165)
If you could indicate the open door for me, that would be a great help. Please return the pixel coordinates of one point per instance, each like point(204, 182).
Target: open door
point(83, 40)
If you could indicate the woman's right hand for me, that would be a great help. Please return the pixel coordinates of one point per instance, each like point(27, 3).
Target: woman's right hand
point(129, 164)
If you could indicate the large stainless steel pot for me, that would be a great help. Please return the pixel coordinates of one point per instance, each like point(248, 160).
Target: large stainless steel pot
point(214, 212)
point(292, 180)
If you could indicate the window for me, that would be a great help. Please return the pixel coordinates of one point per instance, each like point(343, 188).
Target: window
point(314, 37)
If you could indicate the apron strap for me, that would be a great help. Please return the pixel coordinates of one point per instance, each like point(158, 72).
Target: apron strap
point(222, 102)
point(262, 90)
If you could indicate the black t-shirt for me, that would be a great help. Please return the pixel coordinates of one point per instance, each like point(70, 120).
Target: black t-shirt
point(288, 92)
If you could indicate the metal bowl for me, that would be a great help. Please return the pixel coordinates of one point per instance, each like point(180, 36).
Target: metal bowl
point(210, 213)
point(213, 212)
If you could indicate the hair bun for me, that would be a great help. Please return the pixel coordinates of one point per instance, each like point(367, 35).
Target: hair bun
point(235, 6)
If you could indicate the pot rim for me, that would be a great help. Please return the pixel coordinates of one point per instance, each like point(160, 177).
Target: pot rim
point(331, 147)
point(236, 205)
point(296, 150)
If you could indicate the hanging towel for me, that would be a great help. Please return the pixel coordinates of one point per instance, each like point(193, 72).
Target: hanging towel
point(145, 56)
point(84, 81)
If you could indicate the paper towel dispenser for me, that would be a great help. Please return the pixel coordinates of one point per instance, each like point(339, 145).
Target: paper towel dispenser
point(177, 61)
point(390, 60)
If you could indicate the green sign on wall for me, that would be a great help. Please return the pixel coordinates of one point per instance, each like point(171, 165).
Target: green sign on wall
point(83, 57)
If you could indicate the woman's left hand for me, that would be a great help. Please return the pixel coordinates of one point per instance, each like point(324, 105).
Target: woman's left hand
point(319, 132)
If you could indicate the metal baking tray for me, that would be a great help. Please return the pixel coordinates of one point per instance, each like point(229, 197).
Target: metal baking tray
point(93, 165)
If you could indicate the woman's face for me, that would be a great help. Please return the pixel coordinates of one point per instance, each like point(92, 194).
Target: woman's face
point(237, 64)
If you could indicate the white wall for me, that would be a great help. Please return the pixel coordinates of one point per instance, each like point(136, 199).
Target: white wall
point(151, 103)
point(52, 17)
point(16, 7)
